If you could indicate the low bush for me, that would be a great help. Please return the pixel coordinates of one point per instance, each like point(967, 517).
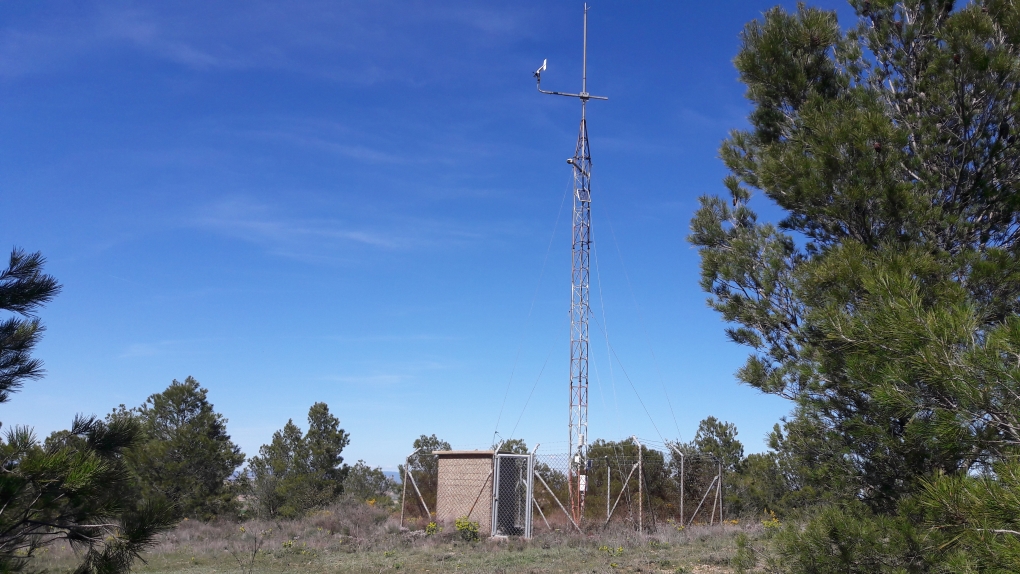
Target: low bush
point(350, 517)
point(468, 530)
point(837, 539)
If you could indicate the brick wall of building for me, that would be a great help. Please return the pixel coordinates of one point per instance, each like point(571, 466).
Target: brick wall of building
point(465, 485)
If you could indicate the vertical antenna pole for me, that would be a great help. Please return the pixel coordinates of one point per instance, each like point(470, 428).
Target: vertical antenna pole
point(584, 65)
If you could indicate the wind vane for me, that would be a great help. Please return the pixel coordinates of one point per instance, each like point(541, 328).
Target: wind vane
point(580, 311)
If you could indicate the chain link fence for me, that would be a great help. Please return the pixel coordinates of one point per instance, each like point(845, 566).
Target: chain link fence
point(648, 491)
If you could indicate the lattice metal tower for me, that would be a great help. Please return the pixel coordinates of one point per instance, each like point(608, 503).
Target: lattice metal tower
point(580, 311)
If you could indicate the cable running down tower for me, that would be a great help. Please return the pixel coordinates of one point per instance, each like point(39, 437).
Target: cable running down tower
point(580, 311)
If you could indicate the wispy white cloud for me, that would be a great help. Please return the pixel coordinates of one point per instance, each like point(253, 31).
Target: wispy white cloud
point(398, 374)
point(392, 338)
point(723, 122)
point(357, 43)
point(142, 350)
point(368, 380)
point(158, 348)
point(24, 52)
point(151, 349)
point(56, 43)
point(262, 227)
point(359, 152)
point(323, 239)
point(290, 232)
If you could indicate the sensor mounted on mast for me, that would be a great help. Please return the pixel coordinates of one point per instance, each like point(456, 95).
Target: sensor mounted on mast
point(538, 72)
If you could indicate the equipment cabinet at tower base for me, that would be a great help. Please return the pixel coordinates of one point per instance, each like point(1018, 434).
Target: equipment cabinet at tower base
point(494, 490)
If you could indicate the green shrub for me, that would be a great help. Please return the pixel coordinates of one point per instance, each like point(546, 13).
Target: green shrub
point(745, 559)
point(851, 539)
point(610, 551)
point(468, 530)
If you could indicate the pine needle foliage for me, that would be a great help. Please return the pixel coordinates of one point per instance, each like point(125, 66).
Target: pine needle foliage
point(884, 304)
point(976, 518)
point(75, 487)
point(24, 288)
point(298, 472)
point(185, 454)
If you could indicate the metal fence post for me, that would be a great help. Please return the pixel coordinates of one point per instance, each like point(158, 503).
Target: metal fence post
point(530, 493)
point(720, 494)
point(682, 479)
point(403, 496)
point(640, 483)
point(715, 499)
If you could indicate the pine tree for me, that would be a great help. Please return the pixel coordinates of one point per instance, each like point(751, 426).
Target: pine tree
point(298, 472)
point(186, 455)
point(884, 304)
point(24, 288)
point(718, 440)
point(75, 487)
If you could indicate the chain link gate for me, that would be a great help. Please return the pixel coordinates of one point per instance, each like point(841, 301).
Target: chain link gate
point(512, 495)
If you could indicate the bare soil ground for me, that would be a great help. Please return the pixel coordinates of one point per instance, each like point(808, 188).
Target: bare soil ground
point(358, 539)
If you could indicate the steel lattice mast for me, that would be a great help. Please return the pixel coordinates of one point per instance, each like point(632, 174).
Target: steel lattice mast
point(579, 314)
point(580, 310)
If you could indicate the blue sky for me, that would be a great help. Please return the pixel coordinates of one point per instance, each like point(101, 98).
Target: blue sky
point(360, 203)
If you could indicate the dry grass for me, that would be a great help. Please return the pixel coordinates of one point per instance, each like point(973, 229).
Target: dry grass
point(357, 538)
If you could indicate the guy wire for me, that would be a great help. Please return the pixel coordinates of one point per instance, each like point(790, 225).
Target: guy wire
point(605, 331)
point(525, 407)
point(636, 393)
point(644, 327)
point(534, 297)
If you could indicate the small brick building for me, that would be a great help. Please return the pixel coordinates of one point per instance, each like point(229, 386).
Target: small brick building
point(465, 487)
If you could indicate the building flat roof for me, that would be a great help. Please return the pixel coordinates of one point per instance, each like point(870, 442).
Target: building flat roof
point(463, 452)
